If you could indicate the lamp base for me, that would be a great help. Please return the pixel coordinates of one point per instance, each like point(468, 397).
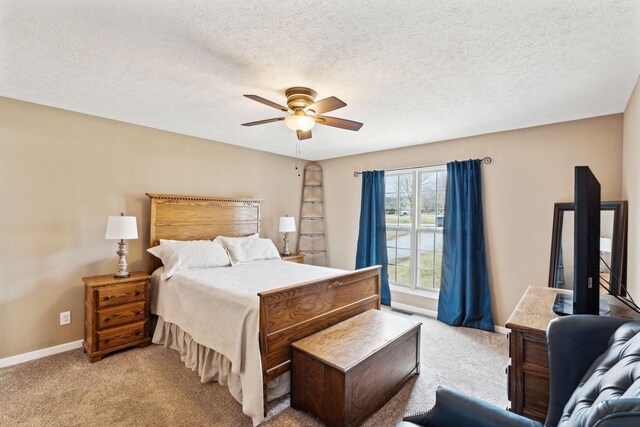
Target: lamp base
point(285, 250)
point(121, 272)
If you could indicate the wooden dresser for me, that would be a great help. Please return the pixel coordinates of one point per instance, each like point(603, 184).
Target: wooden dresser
point(344, 373)
point(116, 313)
point(528, 371)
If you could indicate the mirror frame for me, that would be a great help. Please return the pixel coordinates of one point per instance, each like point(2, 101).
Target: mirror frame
point(618, 241)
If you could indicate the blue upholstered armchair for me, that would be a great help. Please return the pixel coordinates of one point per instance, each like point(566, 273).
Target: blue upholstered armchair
point(594, 381)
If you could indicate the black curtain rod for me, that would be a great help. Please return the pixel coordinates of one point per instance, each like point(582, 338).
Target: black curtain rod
point(485, 160)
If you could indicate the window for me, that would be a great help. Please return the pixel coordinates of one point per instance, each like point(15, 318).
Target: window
point(414, 208)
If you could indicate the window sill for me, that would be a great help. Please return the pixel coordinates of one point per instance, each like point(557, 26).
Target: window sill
point(416, 292)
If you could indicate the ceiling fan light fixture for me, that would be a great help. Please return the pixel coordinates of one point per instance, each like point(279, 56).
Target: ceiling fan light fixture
point(305, 112)
point(299, 121)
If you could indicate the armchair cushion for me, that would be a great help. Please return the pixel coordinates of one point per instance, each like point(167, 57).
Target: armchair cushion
point(608, 392)
point(573, 343)
point(453, 408)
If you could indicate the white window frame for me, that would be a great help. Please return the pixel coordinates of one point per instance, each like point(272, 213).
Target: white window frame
point(414, 230)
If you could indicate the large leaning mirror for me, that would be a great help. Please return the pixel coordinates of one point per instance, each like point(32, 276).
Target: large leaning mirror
point(613, 246)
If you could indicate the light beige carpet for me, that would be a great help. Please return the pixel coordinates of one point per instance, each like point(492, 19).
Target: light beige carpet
point(152, 387)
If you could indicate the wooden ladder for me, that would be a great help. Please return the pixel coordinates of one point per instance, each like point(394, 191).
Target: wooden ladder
point(312, 238)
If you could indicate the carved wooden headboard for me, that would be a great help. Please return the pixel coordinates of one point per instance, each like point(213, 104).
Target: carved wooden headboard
point(179, 217)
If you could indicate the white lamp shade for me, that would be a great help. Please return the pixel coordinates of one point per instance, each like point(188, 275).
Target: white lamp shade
point(605, 244)
point(287, 224)
point(121, 227)
point(301, 122)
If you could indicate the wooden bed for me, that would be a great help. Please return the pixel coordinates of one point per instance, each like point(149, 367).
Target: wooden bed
point(286, 314)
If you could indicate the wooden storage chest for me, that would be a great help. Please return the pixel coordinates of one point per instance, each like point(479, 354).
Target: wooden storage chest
point(344, 373)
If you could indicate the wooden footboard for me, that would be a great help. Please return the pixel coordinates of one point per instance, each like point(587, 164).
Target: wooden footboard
point(294, 312)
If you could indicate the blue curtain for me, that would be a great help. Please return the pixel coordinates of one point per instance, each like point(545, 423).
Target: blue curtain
point(372, 238)
point(464, 288)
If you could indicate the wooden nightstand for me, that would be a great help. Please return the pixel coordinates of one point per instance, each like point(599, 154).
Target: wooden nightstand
point(299, 258)
point(116, 313)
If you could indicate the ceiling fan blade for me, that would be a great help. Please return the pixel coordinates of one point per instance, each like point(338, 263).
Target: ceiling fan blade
point(338, 123)
point(261, 122)
point(267, 102)
point(326, 105)
point(304, 135)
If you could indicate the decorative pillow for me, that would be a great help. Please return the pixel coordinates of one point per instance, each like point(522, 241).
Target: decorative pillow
point(245, 250)
point(179, 255)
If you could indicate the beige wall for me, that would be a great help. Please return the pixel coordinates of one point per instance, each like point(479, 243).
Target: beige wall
point(532, 169)
point(63, 173)
point(631, 187)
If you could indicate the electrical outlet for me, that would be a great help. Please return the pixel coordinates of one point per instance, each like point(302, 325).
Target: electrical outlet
point(65, 318)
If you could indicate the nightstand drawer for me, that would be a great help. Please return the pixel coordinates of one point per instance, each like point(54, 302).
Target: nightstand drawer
point(299, 258)
point(120, 294)
point(108, 317)
point(113, 337)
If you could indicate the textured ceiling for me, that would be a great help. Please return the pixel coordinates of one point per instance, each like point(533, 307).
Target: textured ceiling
point(411, 71)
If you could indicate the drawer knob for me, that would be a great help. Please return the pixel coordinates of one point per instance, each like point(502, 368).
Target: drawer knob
point(137, 293)
point(108, 297)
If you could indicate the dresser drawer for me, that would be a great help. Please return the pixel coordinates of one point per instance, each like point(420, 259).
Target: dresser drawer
point(535, 396)
point(107, 296)
point(114, 337)
point(534, 350)
point(127, 313)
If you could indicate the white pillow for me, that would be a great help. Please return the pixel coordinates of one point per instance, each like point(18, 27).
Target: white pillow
point(245, 250)
point(167, 241)
point(250, 236)
point(179, 255)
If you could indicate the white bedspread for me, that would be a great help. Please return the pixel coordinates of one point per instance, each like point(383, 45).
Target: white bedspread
point(219, 308)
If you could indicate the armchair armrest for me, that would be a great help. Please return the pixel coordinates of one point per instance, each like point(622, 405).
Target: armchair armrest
point(573, 343)
point(623, 412)
point(453, 408)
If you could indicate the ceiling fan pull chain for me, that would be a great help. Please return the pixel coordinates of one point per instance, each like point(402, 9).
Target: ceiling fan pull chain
point(298, 157)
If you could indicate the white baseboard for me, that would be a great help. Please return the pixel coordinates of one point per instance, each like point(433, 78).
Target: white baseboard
point(501, 329)
point(37, 354)
point(414, 309)
point(433, 314)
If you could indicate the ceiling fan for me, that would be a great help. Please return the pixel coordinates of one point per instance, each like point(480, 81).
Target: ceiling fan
point(305, 112)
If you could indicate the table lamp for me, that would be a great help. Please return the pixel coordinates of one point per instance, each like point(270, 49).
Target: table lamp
point(121, 228)
point(287, 225)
